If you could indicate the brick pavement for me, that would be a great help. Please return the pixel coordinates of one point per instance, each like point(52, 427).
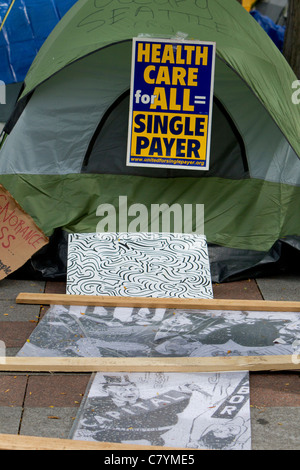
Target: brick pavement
point(46, 404)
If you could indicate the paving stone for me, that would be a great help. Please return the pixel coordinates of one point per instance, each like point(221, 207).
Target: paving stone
point(55, 287)
point(277, 389)
point(280, 288)
point(12, 390)
point(56, 390)
point(43, 310)
point(15, 334)
point(275, 428)
point(10, 311)
point(11, 288)
point(10, 419)
point(48, 422)
point(237, 290)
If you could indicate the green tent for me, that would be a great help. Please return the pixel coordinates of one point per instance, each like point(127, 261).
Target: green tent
point(64, 152)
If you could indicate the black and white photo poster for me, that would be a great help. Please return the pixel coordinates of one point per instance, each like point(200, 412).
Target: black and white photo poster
point(192, 410)
point(142, 332)
point(139, 264)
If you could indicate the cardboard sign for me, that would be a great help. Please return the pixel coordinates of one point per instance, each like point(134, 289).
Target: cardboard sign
point(171, 104)
point(20, 238)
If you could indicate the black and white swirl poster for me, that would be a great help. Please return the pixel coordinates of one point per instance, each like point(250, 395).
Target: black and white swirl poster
point(139, 264)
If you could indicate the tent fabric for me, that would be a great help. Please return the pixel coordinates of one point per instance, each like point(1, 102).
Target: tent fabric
point(90, 26)
point(28, 25)
point(107, 150)
point(63, 156)
point(12, 92)
point(52, 112)
point(247, 214)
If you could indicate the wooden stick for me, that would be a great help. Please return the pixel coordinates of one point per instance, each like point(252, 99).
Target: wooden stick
point(19, 442)
point(148, 364)
point(148, 302)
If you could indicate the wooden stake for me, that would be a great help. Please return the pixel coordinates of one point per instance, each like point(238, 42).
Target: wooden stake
point(148, 364)
point(149, 302)
point(17, 442)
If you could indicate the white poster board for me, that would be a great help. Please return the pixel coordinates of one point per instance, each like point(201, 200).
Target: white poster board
point(139, 265)
point(204, 410)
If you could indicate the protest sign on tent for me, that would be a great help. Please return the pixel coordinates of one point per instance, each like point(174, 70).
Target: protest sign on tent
point(171, 104)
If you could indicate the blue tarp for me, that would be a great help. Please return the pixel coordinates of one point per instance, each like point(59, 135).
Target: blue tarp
point(275, 31)
point(26, 28)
